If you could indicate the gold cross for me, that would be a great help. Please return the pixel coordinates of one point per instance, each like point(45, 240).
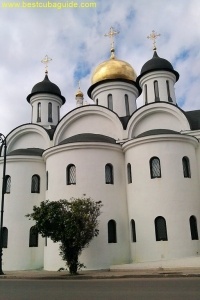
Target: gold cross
point(111, 35)
point(45, 61)
point(153, 36)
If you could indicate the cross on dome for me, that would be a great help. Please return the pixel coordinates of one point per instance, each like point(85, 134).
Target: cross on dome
point(153, 36)
point(111, 34)
point(46, 61)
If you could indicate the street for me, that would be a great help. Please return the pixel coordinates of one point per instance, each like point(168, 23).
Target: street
point(139, 289)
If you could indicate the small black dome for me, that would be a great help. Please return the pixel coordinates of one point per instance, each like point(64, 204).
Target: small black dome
point(157, 63)
point(46, 86)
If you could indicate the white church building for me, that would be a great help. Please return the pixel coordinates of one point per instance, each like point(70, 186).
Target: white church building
point(142, 163)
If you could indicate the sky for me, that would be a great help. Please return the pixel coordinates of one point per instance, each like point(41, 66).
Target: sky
point(74, 39)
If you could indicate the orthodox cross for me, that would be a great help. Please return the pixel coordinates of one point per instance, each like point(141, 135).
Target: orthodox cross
point(153, 36)
point(111, 35)
point(45, 61)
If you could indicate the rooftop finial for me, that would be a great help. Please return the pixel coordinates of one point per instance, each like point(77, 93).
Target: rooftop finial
point(45, 61)
point(111, 35)
point(153, 36)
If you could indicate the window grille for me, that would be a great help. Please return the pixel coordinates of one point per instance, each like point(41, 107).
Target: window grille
point(155, 168)
point(161, 229)
point(35, 184)
point(133, 231)
point(33, 237)
point(110, 102)
point(186, 167)
point(193, 228)
point(71, 174)
point(129, 173)
point(112, 232)
point(7, 184)
point(109, 174)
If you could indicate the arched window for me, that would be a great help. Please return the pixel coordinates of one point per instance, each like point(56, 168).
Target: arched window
point(156, 91)
point(127, 105)
point(168, 92)
point(35, 184)
point(133, 231)
point(193, 228)
point(112, 232)
point(47, 180)
point(50, 112)
point(186, 167)
point(129, 173)
point(7, 184)
point(5, 237)
point(110, 102)
point(161, 229)
point(145, 94)
point(33, 237)
point(155, 168)
point(71, 174)
point(39, 112)
point(109, 179)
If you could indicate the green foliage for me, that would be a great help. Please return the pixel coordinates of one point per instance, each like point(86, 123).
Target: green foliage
point(72, 222)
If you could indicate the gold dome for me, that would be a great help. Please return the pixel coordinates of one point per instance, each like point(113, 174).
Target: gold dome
point(113, 69)
point(79, 93)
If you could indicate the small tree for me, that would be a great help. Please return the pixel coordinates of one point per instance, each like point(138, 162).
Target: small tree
point(73, 223)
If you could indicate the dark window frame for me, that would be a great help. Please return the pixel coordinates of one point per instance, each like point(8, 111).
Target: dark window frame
point(155, 167)
point(110, 102)
point(193, 228)
point(160, 229)
point(133, 231)
point(112, 232)
point(33, 237)
point(35, 184)
point(186, 167)
point(109, 174)
point(71, 174)
point(7, 187)
point(50, 112)
point(129, 173)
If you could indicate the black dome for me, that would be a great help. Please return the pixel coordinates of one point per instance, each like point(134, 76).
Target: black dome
point(46, 86)
point(157, 63)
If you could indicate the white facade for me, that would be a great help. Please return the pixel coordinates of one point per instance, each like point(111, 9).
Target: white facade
point(143, 164)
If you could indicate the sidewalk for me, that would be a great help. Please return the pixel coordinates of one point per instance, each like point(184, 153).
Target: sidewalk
point(102, 274)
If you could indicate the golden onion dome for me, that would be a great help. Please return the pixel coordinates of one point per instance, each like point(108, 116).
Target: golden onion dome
point(79, 93)
point(113, 69)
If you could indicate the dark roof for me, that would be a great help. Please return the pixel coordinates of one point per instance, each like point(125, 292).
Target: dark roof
point(46, 86)
point(88, 137)
point(193, 118)
point(27, 151)
point(155, 64)
point(156, 132)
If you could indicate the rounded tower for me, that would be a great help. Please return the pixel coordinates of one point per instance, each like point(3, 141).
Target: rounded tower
point(114, 85)
point(46, 101)
point(157, 79)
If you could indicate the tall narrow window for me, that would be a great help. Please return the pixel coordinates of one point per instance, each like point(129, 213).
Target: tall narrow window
point(133, 231)
point(155, 168)
point(58, 112)
point(186, 167)
point(110, 102)
point(145, 94)
point(160, 229)
point(168, 92)
point(45, 241)
point(5, 237)
point(71, 174)
point(193, 228)
point(7, 184)
point(129, 173)
point(33, 237)
point(156, 91)
point(127, 105)
point(112, 232)
point(50, 112)
point(109, 178)
point(97, 101)
point(35, 184)
point(39, 112)
point(47, 180)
